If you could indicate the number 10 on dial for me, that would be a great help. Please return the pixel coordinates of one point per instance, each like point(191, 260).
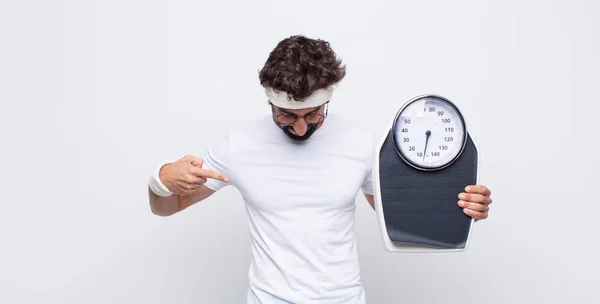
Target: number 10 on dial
point(429, 132)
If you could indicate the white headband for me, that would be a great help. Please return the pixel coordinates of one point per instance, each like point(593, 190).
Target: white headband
point(316, 99)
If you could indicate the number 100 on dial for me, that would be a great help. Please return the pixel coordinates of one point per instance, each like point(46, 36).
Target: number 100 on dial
point(429, 132)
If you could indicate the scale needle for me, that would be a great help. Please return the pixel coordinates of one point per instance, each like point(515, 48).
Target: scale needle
point(428, 133)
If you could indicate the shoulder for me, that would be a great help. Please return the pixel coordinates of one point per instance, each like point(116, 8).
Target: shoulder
point(352, 135)
point(229, 145)
point(351, 130)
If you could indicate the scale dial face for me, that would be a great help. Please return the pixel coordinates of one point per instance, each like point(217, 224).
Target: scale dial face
point(429, 132)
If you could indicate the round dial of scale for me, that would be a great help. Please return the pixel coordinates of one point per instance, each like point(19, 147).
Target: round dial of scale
point(429, 132)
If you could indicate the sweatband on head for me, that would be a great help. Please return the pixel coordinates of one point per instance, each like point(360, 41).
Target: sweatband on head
point(316, 99)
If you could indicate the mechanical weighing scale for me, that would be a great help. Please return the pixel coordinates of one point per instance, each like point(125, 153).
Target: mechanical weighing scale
point(425, 159)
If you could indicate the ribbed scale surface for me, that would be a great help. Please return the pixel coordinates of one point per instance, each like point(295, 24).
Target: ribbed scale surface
point(421, 207)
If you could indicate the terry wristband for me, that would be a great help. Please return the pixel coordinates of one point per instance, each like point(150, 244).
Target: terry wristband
point(156, 185)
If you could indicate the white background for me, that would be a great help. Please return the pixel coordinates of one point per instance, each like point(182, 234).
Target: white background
point(95, 93)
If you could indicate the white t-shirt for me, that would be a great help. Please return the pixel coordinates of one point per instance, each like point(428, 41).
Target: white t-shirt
point(300, 200)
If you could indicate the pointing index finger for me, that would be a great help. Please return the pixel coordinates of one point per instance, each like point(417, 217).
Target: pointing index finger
point(216, 175)
point(211, 174)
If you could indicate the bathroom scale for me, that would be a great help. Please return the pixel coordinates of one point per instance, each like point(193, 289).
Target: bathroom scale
point(423, 161)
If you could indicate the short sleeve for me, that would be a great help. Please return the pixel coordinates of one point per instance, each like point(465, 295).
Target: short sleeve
point(217, 158)
point(367, 184)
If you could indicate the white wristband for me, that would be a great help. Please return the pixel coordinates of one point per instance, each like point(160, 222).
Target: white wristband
point(156, 185)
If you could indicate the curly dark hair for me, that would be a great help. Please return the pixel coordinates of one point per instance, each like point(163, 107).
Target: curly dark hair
point(299, 66)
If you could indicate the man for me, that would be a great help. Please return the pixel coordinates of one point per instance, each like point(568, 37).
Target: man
point(299, 170)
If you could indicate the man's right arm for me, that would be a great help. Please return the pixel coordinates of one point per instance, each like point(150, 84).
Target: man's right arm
point(180, 184)
point(166, 206)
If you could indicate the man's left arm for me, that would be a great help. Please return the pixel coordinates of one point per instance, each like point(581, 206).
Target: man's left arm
point(371, 199)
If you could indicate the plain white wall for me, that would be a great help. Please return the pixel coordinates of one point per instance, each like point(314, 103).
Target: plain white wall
point(95, 93)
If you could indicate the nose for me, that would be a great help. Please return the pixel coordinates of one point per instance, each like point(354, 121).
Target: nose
point(300, 127)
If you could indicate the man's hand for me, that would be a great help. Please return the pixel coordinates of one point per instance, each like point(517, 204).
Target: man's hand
point(475, 201)
point(186, 175)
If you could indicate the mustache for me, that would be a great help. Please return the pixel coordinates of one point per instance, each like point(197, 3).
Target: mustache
point(311, 129)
